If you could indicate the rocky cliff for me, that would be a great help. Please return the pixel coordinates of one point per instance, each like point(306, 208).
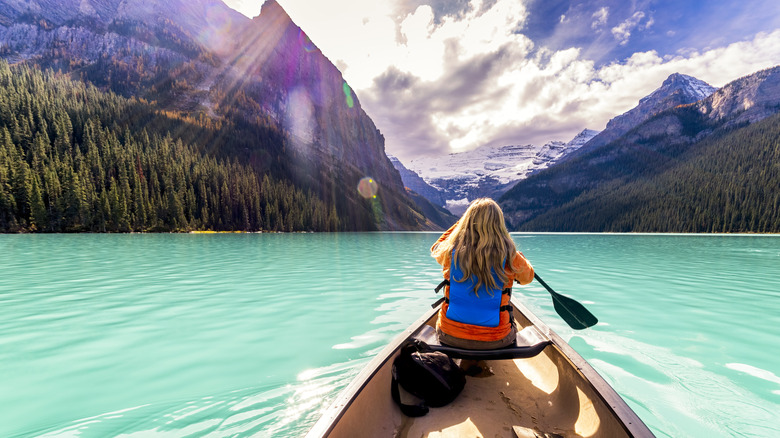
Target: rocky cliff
point(748, 99)
point(209, 23)
point(330, 134)
point(262, 78)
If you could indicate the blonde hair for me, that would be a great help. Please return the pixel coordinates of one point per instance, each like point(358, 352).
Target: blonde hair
point(480, 242)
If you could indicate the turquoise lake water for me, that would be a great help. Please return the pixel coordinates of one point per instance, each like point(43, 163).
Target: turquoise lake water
point(170, 335)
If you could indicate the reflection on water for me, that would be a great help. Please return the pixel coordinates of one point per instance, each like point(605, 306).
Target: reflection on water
point(252, 335)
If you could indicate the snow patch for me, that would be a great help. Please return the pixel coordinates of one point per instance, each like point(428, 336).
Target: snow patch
point(504, 164)
point(457, 206)
point(488, 170)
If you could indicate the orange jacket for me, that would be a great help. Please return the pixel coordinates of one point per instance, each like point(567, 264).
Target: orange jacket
point(525, 274)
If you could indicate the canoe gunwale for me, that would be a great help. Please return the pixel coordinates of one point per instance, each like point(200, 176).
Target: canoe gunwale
point(336, 410)
point(630, 421)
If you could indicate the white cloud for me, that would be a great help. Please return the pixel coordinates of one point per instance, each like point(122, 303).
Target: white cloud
point(622, 32)
point(434, 84)
point(600, 18)
point(535, 99)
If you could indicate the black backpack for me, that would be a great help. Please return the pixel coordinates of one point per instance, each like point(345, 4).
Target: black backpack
point(429, 375)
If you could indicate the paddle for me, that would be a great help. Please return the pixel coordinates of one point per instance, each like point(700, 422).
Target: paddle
point(569, 309)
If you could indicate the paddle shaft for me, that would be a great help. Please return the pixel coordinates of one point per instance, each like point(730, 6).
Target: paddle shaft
point(539, 279)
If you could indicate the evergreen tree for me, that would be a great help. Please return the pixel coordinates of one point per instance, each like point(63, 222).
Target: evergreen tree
point(74, 159)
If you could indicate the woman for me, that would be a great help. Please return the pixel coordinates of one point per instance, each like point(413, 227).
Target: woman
point(480, 261)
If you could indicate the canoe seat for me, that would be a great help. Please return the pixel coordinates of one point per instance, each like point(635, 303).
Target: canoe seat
point(529, 343)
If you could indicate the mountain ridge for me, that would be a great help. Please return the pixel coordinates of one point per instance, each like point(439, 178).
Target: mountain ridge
point(677, 89)
point(454, 180)
point(651, 148)
point(290, 111)
point(748, 99)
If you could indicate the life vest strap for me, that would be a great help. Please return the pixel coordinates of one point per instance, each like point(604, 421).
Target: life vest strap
point(508, 308)
point(445, 282)
point(436, 304)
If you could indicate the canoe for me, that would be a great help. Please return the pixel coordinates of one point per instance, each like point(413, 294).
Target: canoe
point(555, 393)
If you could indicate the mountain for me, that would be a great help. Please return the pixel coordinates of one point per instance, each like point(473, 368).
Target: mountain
point(682, 169)
point(487, 171)
point(436, 214)
point(275, 101)
point(746, 100)
point(332, 141)
point(726, 183)
point(206, 22)
point(413, 182)
point(428, 199)
point(677, 89)
point(77, 159)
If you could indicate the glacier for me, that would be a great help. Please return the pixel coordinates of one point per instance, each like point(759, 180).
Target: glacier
point(486, 171)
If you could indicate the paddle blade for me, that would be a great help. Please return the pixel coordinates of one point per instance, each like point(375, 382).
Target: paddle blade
point(571, 311)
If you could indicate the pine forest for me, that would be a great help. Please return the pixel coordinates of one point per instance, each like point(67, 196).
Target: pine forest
point(77, 159)
point(728, 182)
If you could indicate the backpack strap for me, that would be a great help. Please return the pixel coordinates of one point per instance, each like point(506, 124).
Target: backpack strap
point(415, 410)
point(410, 410)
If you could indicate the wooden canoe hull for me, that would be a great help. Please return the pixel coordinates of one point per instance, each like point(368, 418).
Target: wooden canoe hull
point(556, 393)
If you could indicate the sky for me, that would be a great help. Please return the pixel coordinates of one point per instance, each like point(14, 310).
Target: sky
point(442, 76)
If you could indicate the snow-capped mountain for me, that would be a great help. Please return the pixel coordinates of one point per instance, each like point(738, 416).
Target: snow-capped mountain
point(485, 171)
point(677, 89)
point(693, 154)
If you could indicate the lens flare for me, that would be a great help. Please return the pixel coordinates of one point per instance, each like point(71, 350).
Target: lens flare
point(219, 25)
point(299, 115)
point(308, 46)
point(348, 94)
point(367, 188)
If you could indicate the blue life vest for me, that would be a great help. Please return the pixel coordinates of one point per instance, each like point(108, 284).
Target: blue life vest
point(482, 309)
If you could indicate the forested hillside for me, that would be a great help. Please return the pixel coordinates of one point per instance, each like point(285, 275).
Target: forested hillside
point(729, 182)
point(698, 167)
point(73, 158)
point(232, 90)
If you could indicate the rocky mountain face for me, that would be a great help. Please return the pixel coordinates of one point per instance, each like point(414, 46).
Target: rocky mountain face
point(677, 89)
point(455, 180)
point(649, 148)
point(208, 22)
point(201, 59)
point(430, 200)
point(415, 183)
point(328, 129)
point(167, 52)
point(745, 100)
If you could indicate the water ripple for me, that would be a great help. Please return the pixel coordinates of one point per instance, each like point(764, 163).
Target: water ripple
point(254, 335)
